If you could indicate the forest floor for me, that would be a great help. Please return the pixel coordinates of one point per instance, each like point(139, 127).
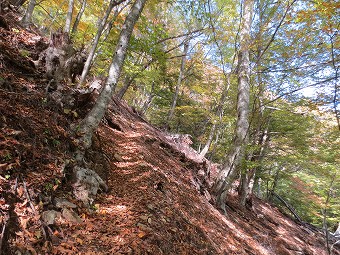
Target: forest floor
point(157, 201)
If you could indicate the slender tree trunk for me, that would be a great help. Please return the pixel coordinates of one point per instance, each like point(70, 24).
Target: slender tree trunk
point(274, 185)
point(230, 171)
point(129, 79)
point(78, 18)
point(109, 25)
point(95, 43)
point(68, 21)
point(17, 2)
point(148, 102)
point(246, 185)
point(336, 83)
point(128, 82)
point(324, 213)
point(90, 123)
point(247, 177)
point(27, 19)
point(219, 113)
point(214, 148)
point(206, 147)
point(179, 81)
point(92, 52)
point(256, 189)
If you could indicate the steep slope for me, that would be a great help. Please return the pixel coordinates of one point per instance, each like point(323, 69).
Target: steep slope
point(157, 199)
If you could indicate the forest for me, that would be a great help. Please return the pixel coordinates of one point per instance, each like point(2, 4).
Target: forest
point(243, 93)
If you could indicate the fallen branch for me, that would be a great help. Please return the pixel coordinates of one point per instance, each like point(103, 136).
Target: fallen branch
point(2, 235)
point(290, 208)
point(33, 208)
point(337, 242)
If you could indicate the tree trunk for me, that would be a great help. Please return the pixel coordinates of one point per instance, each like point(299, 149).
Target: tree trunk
point(95, 43)
point(247, 177)
point(206, 147)
point(246, 185)
point(69, 16)
point(92, 52)
point(90, 123)
point(59, 58)
point(214, 148)
point(274, 184)
point(219, 113)
point(27, 19)
point(17, 2)
point(230, 171)
point(78, 18)
point(179, 81)
point(109, 25)
point(324, 213)
point(127, 83)
point(148, 102)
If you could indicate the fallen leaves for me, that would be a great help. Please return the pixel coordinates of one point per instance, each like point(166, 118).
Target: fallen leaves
point(142, 234)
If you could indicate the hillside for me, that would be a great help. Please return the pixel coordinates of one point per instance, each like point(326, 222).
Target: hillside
point(157, 202)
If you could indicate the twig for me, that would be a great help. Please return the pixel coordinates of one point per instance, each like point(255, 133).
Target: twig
point(337, 242)
point(33, 208)
point(28, 196)
point(2, 235)
point(15, 186)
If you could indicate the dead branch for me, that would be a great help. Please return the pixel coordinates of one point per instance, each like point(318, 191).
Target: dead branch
point(290, 208)
point(33, 208)
point(2, 235)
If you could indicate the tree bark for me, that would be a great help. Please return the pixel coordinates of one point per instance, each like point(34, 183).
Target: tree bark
point(92, 52)
point(230, 171)
point(59, 57)
point(69, 16)
point(179, 81)
point(27, 19)
point(90, 123)
point(78, 18)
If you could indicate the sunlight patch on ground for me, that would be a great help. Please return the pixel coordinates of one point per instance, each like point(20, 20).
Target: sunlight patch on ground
point(113, 209)
point(298, 240)
point(139, 177)
point(133, 135)
point(126, 164)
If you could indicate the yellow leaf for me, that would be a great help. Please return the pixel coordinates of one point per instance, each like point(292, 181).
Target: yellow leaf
point(38, 234)
point(141, 234)
point(75, 114)
point(78, 240)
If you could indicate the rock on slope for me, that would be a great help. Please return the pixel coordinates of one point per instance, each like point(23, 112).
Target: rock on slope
point(157, 199)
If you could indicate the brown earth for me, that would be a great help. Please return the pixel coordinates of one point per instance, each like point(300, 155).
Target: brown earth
point(157, 201)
